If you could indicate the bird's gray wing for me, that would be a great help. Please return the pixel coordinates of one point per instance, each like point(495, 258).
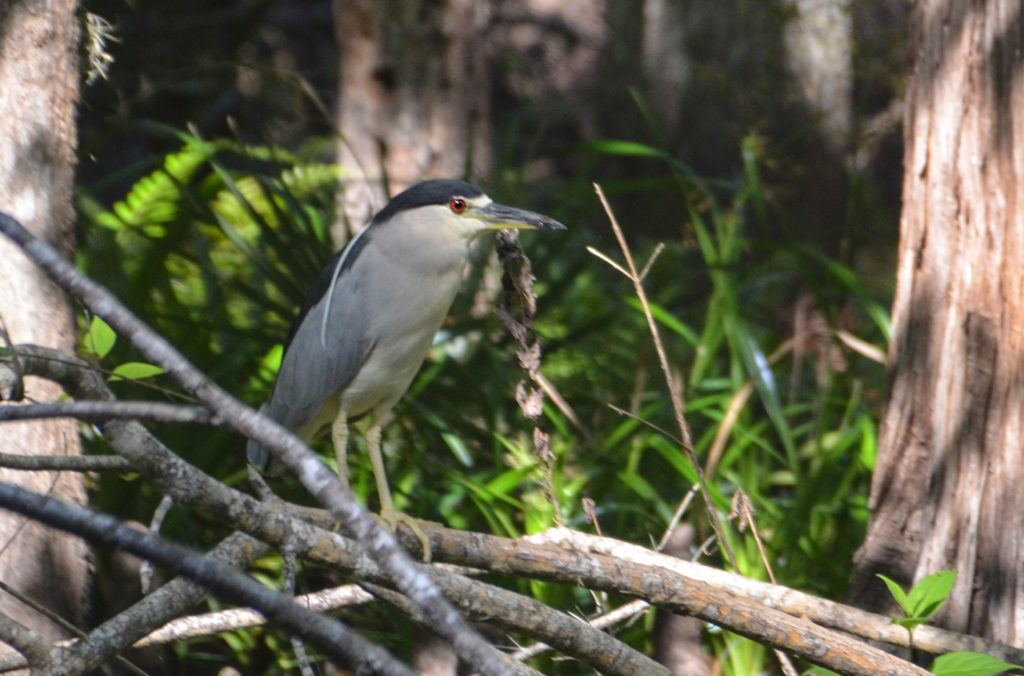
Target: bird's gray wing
point(321, 355)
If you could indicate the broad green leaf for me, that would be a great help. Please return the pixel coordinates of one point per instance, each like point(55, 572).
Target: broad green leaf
point(969, 664)
point(135, 370)
point(101, 338)
point(928, 595)
point(821, 670)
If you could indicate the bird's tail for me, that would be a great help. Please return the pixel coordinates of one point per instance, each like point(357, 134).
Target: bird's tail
point(258, 456)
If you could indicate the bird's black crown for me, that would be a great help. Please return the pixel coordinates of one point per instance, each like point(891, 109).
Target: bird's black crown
point(436, 191)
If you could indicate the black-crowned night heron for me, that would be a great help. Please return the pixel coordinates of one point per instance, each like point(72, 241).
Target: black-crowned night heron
point(370, 318)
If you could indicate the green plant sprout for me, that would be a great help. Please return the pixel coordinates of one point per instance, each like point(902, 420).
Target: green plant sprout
point(922, 602)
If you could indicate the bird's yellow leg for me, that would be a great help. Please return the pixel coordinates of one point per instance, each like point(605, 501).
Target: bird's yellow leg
point(339, 437)
point(388, 514)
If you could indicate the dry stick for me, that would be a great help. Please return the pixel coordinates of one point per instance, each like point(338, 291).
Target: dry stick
point(209, 624)
point(516, 612)
point(66, 463)
point(823, 612)
point(676, 396)
point(314, 475)
point(155, 524)
point(610, 619)
point(744, 509)
point(99, 411)
point(661, 586)
point(24, 640)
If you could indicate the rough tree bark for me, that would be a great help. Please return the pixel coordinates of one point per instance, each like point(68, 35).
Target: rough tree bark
point(948, 482)
point(412, 96)
point(38, 93)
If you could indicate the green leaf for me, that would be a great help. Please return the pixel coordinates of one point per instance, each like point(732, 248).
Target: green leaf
point(821, 670)
point(897, 593)
point(135, 370)
point(509, 481)
point(969, 664)
point(623, 148)
point(101, 338)
point(666, 318)
point(928, 595)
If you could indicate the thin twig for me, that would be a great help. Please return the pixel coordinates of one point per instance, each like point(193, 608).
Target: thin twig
point(675, 395)
point(744, 510)
point(210, 624)
point(155, 524)
point(610, 619)
point(674, 521)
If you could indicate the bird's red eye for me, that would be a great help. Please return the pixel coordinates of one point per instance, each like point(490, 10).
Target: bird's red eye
point(457, 204)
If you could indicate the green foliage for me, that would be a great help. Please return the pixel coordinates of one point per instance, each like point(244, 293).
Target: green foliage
point(969, 664)
point(98, 340)
point(787, 419)
point(923, 600)
point(217, 244)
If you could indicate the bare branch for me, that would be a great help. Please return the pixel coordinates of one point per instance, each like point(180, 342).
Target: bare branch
point(516, 612)
point(153, 610)
point(868, 626)
point(317, 478)
point(662, 587)
point(208, 624)
point(100, 411)
point(27, 642)
point(71, 463)
point(330, 635)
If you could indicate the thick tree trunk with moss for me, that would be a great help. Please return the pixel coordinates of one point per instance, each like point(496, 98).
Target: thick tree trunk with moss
point(39, 77)
point(947, 488)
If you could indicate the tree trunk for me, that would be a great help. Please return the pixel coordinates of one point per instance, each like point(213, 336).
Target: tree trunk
point(39, 84)
point(947, 488)
point(412, 97)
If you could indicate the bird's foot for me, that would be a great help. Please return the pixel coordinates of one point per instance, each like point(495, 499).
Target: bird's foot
point(392, 518)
